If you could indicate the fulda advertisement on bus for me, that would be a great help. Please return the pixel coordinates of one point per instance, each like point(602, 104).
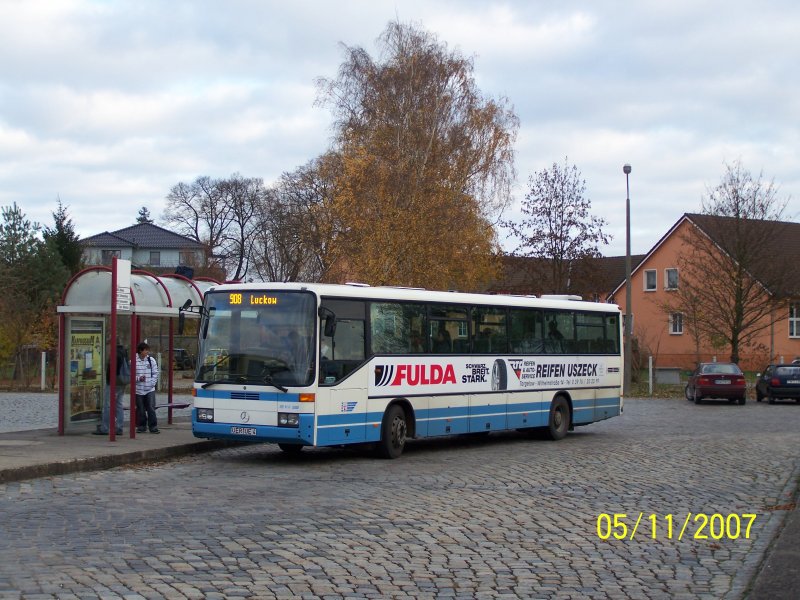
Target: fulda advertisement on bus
point(459, 375)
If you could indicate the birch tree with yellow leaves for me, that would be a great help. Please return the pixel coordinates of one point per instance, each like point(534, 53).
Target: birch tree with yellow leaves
point(425, 166)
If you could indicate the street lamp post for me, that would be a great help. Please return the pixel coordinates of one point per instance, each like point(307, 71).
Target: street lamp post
point(626, 388)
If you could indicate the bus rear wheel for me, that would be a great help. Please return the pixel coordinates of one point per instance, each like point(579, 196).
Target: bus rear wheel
point(558, 420)
point(393, 432)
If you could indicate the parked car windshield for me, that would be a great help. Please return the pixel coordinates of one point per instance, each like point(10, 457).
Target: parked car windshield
point(722, 369)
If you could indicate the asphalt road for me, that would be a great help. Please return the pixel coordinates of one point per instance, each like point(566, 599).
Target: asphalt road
point(504, 516)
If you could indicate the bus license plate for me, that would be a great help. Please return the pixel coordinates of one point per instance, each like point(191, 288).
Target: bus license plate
point(243, 430)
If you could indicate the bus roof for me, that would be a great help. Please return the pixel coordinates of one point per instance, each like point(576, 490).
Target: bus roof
point(366, 292)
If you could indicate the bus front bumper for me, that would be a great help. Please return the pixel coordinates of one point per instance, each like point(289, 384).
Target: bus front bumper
point(303, 434)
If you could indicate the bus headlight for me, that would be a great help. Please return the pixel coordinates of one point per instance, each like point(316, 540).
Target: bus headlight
point(206, 415)
point(288, 420)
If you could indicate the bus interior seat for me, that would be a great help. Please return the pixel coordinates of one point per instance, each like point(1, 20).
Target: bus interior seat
point(480, 345)
point(460, 346)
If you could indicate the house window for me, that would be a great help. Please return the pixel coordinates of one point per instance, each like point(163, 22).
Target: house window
point(186, 258)
point(676, 324)
point(108, 254)
point(650, 280)
point(670, 279)
point(155, 258)
point(794, 320)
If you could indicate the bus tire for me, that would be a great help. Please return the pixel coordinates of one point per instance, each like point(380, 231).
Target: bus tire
point(558, 420)
point(499, 375)
point(393, 432)
point(291, 448)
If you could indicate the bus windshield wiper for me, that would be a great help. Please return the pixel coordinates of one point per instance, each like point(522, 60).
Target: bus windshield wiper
point(265, 378)
point(225, 380)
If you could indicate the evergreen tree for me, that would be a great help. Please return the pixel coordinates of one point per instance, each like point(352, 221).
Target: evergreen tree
point(144, 216)
point(18, 237)
point(63, 237)
point(32, 277)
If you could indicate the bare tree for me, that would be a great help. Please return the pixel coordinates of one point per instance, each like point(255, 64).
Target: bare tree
point(198, 210)
point(558, 228)
point(730, 283)
point(293, 230)
point(242, 196)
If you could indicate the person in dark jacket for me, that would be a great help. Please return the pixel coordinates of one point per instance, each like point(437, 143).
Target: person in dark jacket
point(103, 427)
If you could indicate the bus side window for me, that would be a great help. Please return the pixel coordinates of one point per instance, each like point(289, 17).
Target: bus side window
point(612, 334)
point(397, 327)
point(525, 331)
point(447, 329)
point(489, 331)
point(589, 333)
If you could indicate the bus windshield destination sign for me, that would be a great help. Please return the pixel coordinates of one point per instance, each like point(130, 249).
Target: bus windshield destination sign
point(236, 299)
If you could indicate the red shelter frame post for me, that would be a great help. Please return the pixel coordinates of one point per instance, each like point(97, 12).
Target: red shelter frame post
point(112, 360)
point(170, 370)
point(135, 334)
point(62, 361)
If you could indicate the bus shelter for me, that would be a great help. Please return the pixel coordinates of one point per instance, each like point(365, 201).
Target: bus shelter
point(92, 306)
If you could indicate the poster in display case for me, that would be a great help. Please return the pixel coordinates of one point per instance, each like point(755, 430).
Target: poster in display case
point(86, 364)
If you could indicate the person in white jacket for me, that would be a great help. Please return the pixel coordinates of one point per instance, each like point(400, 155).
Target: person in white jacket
point(146, 380)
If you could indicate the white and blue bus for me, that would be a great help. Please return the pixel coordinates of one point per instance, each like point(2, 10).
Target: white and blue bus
point(302, 364)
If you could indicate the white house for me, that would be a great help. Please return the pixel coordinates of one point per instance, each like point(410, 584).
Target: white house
point(145, 245)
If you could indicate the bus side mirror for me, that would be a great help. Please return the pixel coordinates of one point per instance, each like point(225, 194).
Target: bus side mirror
point(182, 316)
point(329, 327)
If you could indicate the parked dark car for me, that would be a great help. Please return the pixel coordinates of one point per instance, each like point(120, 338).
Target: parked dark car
point(183, 360)
point(717, 380)
point(777, 382)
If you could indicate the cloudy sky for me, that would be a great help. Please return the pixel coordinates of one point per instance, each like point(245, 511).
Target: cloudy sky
point(108, 104)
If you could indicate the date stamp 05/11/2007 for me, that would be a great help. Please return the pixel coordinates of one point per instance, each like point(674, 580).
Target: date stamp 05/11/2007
point(698, 526)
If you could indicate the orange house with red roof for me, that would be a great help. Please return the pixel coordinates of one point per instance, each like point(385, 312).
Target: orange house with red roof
point(667, 335)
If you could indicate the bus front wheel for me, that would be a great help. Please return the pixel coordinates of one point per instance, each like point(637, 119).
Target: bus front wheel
point(291, 448)
point(393, 432)
point(558, 421)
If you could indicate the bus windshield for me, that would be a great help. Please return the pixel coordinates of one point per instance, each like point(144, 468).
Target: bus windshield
point(258, 338)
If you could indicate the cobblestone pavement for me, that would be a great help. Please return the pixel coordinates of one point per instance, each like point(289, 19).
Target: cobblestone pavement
point(504, 516)
point(23, 411)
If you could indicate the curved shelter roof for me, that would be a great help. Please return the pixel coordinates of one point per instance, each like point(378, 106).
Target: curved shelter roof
point(154, 295)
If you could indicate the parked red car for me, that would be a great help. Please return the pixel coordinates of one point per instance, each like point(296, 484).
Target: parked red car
point(717, 380)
